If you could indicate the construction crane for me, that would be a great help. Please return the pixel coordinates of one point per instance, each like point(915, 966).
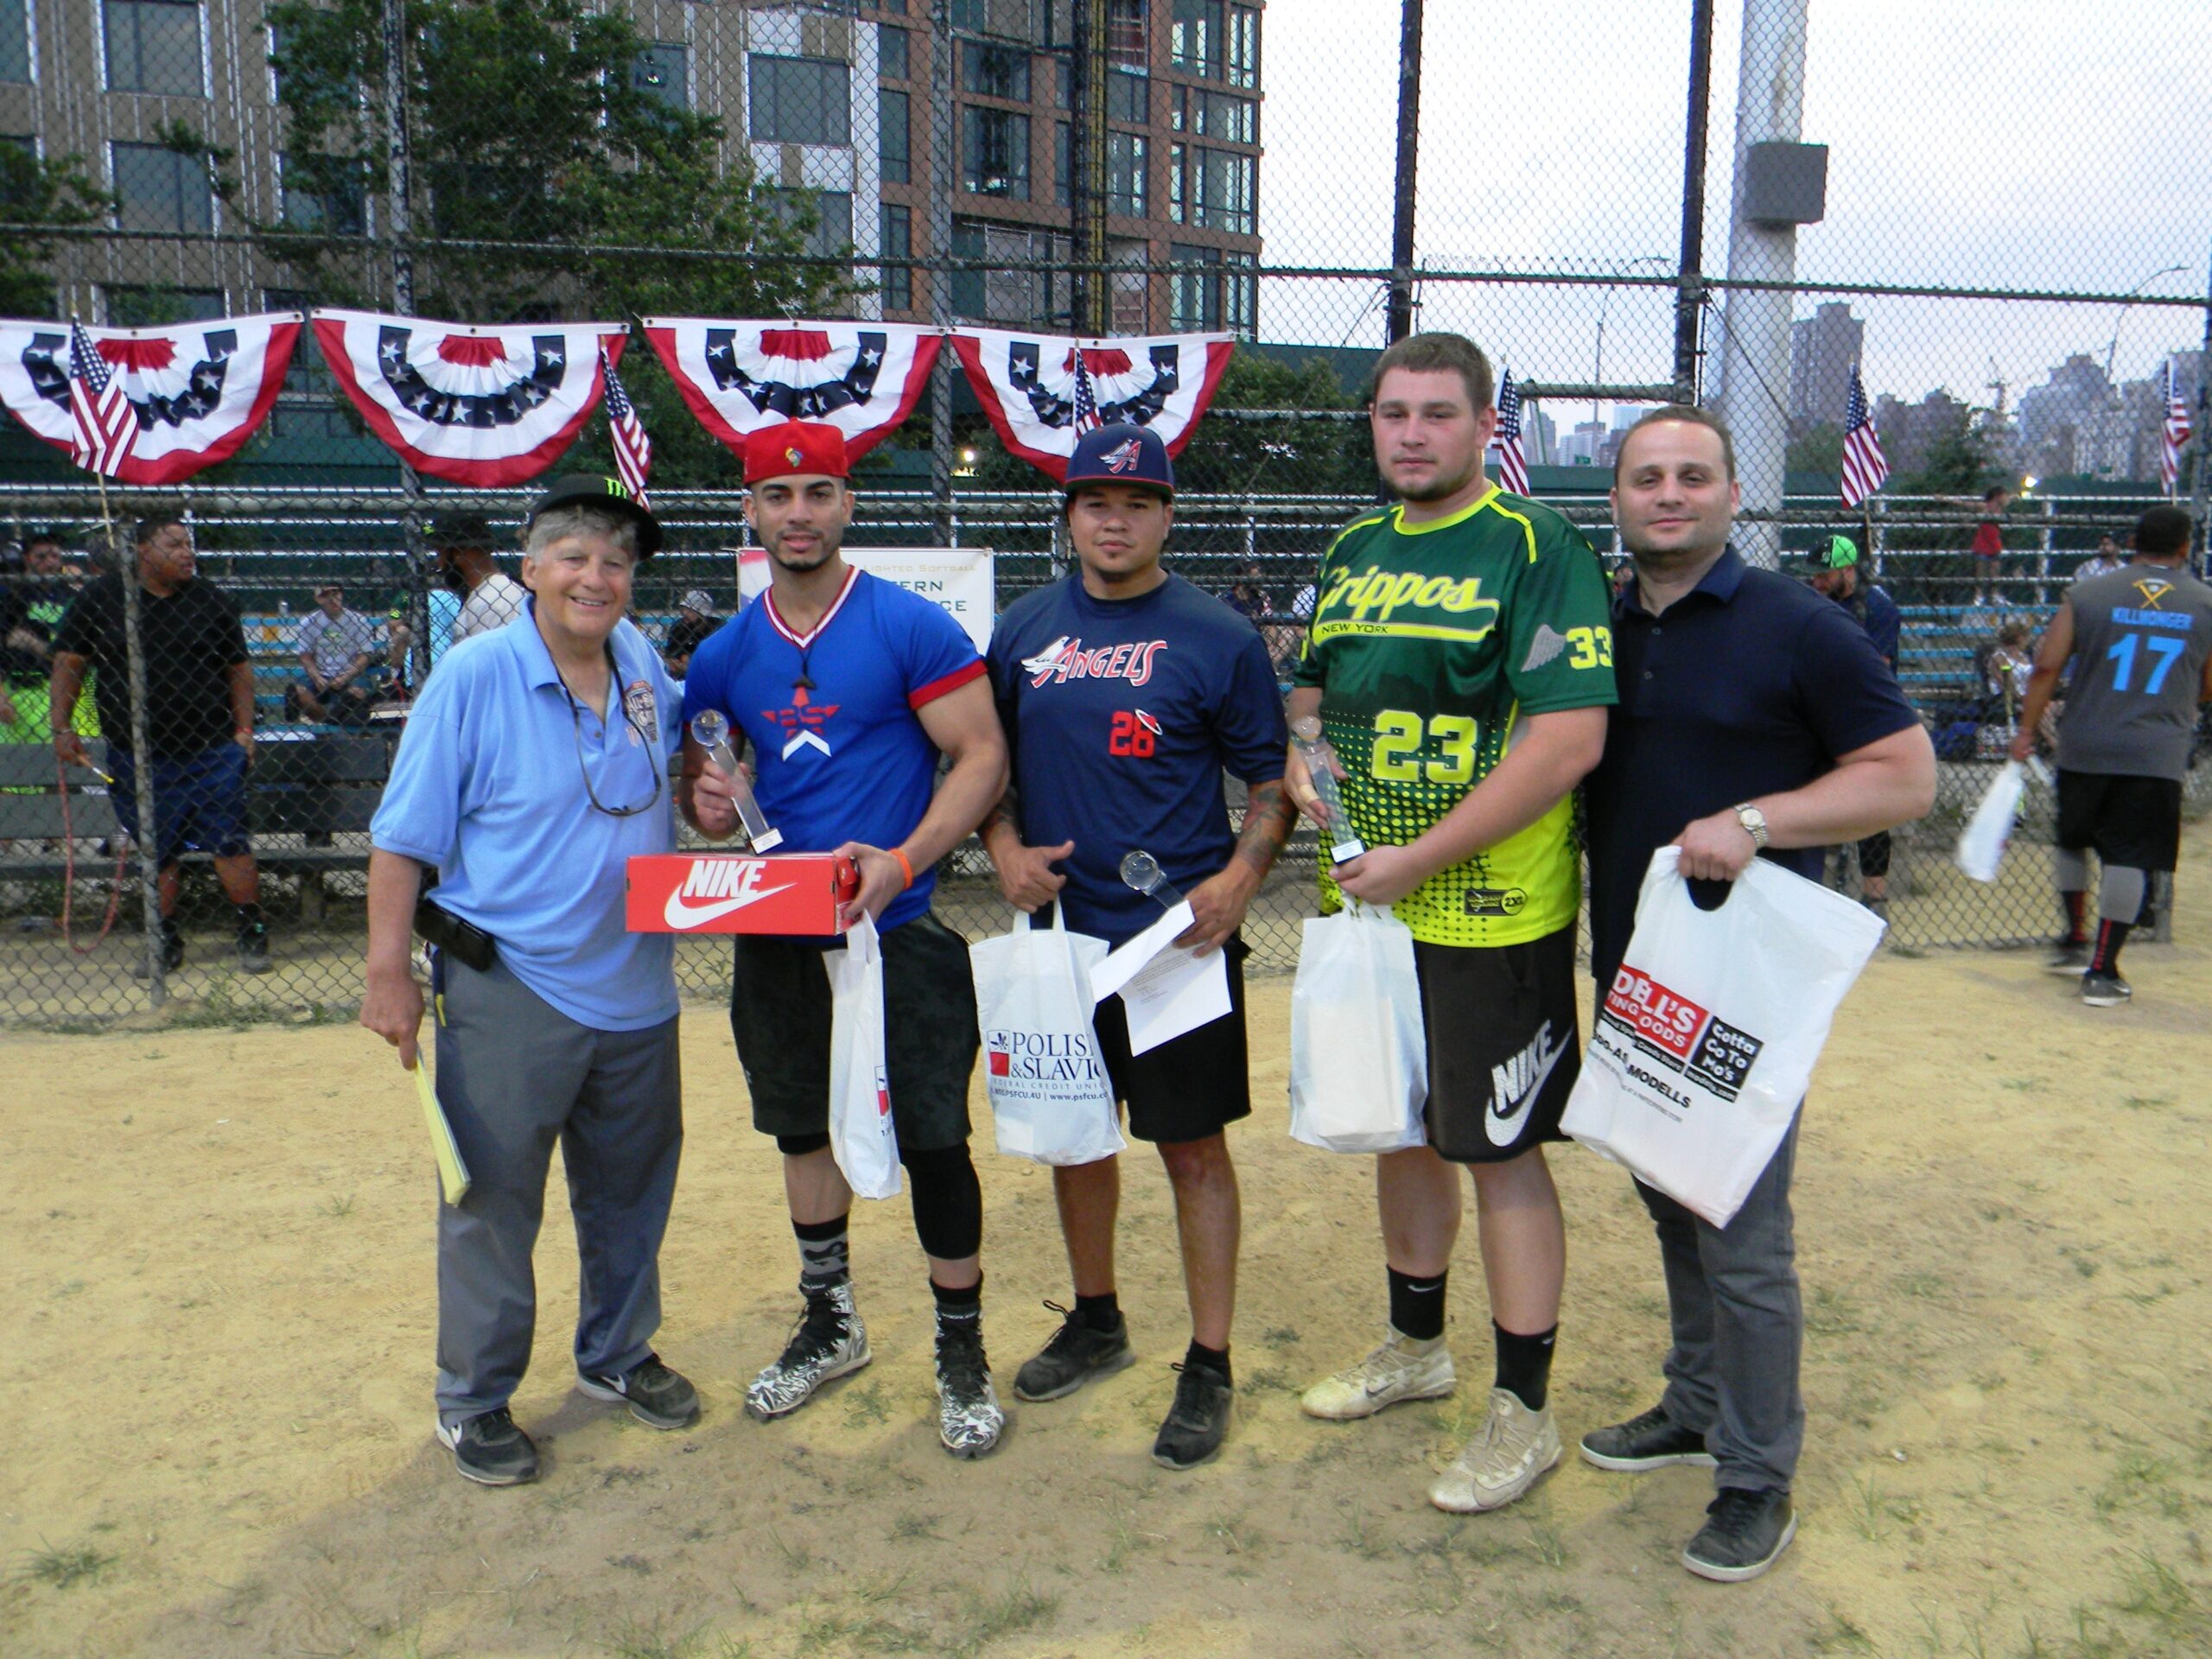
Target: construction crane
point(1999, 384)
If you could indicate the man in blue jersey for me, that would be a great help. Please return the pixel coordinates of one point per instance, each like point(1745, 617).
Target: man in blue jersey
point(1125, 692)
point(849, 689)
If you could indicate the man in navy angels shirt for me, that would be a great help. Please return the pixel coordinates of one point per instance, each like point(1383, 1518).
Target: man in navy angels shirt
point(847, 689)
point(1125, 691)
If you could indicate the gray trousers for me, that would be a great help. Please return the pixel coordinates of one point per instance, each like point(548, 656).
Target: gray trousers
point(515, 1074)
point(1739, 1328)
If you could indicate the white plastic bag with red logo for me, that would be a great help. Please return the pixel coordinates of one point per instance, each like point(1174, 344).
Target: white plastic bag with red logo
point(1359, 1049)
point(1704, 1041)
point(1051, 1098)
point(861, 1137)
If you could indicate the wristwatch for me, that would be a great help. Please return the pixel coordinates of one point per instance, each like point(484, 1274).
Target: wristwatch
point(1754, 823)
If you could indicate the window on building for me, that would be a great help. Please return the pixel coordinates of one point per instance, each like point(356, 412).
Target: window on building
point(1225, 296)
point(1213, 188)
point(1215, 115)
point(162, 307)
point(323, 193)
point(308, 405)
point(160, 190)
point(1125, 186)
point(832, 235)
point(894, 137)
point(897, 243)
point(662, 71)
point(891, 59)
point(19, 170)
point(994, 153)
point(1063, 163)
point(800, 100)
point(1125, 33)
point(14, 40)
point(1007, 19)
point(1131, 294)
point(1244, 47)
point(1128, 97)
point(994, 71)
point(152, 46)
point(1194, 37)
point(997, 293)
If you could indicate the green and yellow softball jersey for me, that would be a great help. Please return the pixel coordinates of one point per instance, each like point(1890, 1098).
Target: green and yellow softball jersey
point(1429, 643)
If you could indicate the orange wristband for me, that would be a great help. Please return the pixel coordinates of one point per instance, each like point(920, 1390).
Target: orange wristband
point(904, 866)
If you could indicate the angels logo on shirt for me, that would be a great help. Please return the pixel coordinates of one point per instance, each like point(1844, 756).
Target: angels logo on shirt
point(1066, 659)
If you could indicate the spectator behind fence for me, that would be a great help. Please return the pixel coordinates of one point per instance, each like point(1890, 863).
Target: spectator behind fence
point(490, 598)
point(2140, 643)
point(2001, 668)
point(2107, 559)
point(336, 647)
point(32, 603)
point(1988, 545)
point(695, 621)
point(1835, 575)
point(198, 721)
point(1247, 596)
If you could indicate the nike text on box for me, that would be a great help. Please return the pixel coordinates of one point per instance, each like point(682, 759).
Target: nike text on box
point(796, 894)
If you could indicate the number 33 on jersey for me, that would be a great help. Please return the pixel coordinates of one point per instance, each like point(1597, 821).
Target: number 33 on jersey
point(1430, 642)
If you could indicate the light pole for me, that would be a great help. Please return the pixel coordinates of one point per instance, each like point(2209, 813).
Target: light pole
point(1598, 366)
point(2133, 294)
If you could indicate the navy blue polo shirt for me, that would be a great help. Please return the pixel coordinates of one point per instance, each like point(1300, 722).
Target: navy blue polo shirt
point(1749, 685)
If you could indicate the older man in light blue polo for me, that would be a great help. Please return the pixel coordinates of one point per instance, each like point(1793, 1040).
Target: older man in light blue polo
point(534, 764)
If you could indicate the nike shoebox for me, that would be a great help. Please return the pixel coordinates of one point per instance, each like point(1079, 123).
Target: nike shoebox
point(725, 893)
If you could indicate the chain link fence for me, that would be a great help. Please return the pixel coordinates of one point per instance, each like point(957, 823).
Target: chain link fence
point(1095, 167)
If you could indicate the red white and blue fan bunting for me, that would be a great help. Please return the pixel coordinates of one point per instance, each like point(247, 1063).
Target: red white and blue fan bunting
point(861, 377)
point(197, 390)
point(486, 407)
point(1028, 386)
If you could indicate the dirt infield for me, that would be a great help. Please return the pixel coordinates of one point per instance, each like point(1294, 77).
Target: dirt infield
point(214, 1429)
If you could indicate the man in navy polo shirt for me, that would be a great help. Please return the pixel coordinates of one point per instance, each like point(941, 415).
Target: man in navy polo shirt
point(534, 767)
point(1755, 720)
point(849, 689)
point(1125, 692)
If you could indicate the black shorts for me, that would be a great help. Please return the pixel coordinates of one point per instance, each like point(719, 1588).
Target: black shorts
point(1191, 1087)
point(1874, 855)
point(1505, 1045)
point(2134, 822)
point(780, 1013)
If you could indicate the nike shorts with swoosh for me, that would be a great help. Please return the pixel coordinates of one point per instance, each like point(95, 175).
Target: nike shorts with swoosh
point(1504, 1044)
point(780, 1013)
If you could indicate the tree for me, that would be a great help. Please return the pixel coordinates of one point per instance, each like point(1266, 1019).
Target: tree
point(50, 195)
point(1819, 450)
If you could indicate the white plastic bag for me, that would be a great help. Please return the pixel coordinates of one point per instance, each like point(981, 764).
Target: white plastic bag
point(1358, 1049)
point(861, 1136)
point(1704, 1042)
point(1981, 843)
point(1051, 1098)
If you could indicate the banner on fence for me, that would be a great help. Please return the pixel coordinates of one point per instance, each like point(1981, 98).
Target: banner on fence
point(861, 377)
point(958, 578)
point(1026, 384)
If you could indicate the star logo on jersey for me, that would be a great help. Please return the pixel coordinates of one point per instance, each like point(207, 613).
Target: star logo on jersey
point(2153, 589)
point(801, 721)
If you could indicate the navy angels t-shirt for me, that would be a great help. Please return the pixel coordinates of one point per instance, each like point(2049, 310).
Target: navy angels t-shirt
point(1122, 715)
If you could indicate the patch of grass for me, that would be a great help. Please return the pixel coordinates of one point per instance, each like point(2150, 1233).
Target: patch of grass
point(1832, 1313)
point(2147, 1103)
point(1547, 1544)
point(865, 1404)
point(650, 1639)
point(913, 1528)
point(1871, 1514)
point(797, 1557)
point(2139, 1478)
point(337, 1208)
point(1838, 1635)
point(1926, 1285)
point(1274, 1379)
point(1019, 1607)
point(1359, 1540)
point(1237, 1537)
point(65, 1565)
point(2084, 1264)
point(1279, 1336)
point(2155, 1592)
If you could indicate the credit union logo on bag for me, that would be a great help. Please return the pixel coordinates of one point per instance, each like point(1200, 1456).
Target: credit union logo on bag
point(1043, 1056)
point(1680, 1034)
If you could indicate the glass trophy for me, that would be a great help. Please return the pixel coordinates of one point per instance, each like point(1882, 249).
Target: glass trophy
point(1140, 872)
point(712, 731)
point(1321, 766)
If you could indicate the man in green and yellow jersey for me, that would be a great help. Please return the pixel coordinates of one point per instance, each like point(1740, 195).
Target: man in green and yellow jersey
point(1460, 660)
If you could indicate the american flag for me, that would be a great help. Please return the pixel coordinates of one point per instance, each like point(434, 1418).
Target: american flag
point(1864, 465)
point(633, 450)
point(1086, 400)
point(106, 422)
point(2175, 434)
point(1512, 464)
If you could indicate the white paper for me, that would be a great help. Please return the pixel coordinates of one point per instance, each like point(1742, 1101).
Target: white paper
point(1166, 990)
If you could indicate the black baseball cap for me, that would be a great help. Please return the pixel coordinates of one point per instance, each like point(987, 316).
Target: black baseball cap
point(595, 489)
point(460, 529)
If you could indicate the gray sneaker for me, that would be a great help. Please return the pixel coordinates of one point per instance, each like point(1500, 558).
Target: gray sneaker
point(656, 1396)
point(1744, 1535)
point(970, 1420)
point(489, 1450)
point(1076, 1353)
point(830, 1341)
point(2068, 957)
point(2107, 990)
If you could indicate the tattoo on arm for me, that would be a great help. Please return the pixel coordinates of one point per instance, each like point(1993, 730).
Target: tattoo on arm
point(1002, 812)
point(1269, 814)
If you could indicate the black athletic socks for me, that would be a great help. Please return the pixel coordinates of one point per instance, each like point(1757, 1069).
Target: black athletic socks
point(824, 1257)
point(1099, 1312)
point(2105, 959)
point(957, 1307)
point(2077, 916)
point(1198, 1355)
point(1524, 1364)
point(249, 917)
point(1417, 1305)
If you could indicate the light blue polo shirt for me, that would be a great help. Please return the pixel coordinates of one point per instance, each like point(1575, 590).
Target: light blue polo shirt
point(487, 786)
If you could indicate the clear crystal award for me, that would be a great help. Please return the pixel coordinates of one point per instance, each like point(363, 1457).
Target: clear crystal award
point(1140, 872)
point(1320, 766)
point(712, 730)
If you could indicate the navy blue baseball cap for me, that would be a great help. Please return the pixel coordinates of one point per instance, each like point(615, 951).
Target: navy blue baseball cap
point(1121, 454)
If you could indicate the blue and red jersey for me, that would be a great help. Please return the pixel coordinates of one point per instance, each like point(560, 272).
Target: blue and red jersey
point(1121, 715)
point(839, 752)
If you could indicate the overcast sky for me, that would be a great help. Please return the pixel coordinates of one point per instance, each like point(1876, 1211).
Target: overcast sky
point(2024, 143)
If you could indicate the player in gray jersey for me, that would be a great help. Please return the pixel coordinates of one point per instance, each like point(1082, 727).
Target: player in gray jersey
point(2140, 641)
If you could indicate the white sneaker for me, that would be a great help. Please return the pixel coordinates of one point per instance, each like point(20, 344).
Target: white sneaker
point(1401, 1369)
point(828, 1341)
point(1515, 1448)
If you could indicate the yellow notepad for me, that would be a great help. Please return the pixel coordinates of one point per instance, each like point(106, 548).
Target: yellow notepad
point(452, 1173)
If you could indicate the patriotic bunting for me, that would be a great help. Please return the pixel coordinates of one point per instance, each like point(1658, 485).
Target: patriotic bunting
point(861, 377)
point(1030, 387)
point(146, 406)
point(485, 407)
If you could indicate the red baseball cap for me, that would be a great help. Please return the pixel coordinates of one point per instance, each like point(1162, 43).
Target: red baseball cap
point(793, 448)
